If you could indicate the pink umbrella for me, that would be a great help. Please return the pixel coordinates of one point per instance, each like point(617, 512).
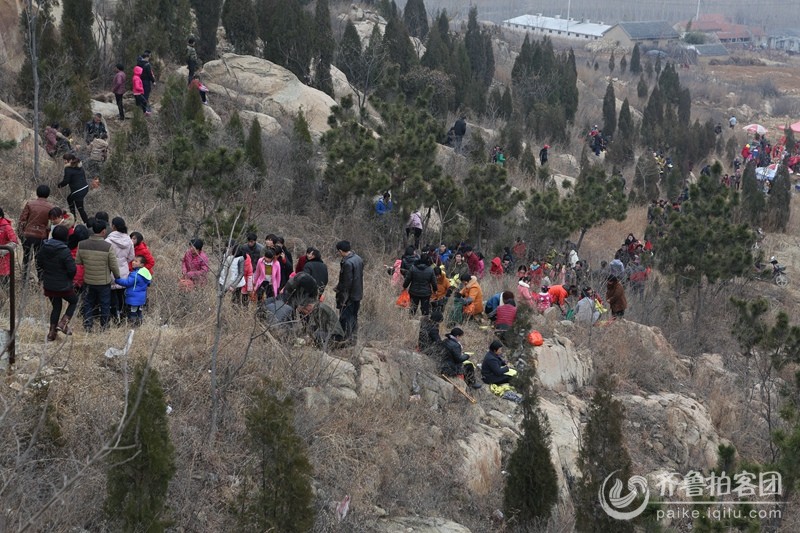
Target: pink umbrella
point(755, 128)
point(795, 127)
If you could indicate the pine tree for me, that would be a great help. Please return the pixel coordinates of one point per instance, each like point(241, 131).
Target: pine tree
point(138, 477)
point(645, 180)
point(611, 63)
point(531, 488)
point(753, 202)
point(609, 111)
point(437, 52)
point(551, 219)
point(602, 454)
point(488, 182)
point(623, 64)
point(684, 107)
point(568, 89)
point(348, 54)
point(415, 18)
point(658, 65)
point(641, 87)
point(161, 26)
point(240, 30)
point(779, 202)
point(636, 64)
point(527, 161)
point(283, 499)
point(653, 120)
point(325, 48)
point(705, 222)
point(596, 198)
point(506, 104)
point(253, 149)
point(622, 150)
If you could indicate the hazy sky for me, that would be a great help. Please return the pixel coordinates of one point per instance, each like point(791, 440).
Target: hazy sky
point(762, 13)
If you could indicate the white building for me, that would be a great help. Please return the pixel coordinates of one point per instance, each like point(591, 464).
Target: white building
point(557, 27)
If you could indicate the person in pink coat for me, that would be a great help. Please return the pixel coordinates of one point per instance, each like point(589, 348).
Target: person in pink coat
point(267, 279)
point(195, 265)
point(138, 89)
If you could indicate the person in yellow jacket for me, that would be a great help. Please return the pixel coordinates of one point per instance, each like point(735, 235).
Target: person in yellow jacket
point(473, 297)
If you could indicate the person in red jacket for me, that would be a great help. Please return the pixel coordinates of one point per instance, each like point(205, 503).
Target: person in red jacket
point(140, 248)
point(7, 237)
point(473, 261)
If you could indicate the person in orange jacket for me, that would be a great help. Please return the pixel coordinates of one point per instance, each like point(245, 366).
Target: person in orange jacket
point(473, 297)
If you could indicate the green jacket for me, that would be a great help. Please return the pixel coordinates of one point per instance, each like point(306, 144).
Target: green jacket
point(99, 261)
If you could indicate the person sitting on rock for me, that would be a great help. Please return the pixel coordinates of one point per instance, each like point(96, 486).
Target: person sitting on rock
point(494, 369)
point(456, 363)
point(429, 341)
point(506, 313)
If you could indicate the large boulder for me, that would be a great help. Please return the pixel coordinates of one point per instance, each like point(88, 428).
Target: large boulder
point(670, 431)
point(13, 127)
point(391, 374)
point(263, 87)
point(560, 367)
point(12, 44)
point(481, 466)
point(564, 417)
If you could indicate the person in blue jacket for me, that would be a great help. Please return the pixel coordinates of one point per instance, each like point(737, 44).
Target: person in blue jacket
point(384, 204)
point(136, 285)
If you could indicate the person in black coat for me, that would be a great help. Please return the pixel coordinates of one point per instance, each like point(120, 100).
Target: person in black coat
point(148, 79)
point(494, 369)
point(459, 130)
point(429, 341)
point(421, 284)
point(75, 177)
point(453, 356)
point(408, 260)
point(58, 270)
point(315, 268)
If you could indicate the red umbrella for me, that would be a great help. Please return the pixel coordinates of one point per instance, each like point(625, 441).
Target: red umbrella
point(755, 128)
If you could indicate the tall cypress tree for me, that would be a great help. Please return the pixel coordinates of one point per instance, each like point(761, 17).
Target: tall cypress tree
point(753, 202)
point(284, 27)
point(348, 54)
point(609, 111)
point(325, 47)
point(253, 149)
point(77, 37)
point(602, 453)
point(636, 63)
point(283, 499)
point(415, 18)
point(241, 28)
point(158, 25)
point(138, 477)
point(397, 44)
point(207, 13)
point(779, 202)
point(531, 489)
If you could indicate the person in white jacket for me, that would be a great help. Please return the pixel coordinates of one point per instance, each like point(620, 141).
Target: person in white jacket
point(231, 275)
point(122, 245)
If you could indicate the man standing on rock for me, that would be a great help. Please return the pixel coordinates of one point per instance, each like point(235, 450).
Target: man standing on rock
point(349, 290)
point(192, 61)
point(459, 130)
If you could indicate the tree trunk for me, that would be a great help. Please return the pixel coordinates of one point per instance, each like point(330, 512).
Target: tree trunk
point(32, 40)
point(580, 239)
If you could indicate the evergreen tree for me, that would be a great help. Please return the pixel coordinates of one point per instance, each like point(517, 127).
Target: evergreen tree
point(596, 198)
point(397, 44)
point(602, 454)
point(531, 488)
point(437, 53)
point(622, 150)
point(415, 18)
point(527, 161)
point(705, 223)
point(641, 87)
point(609, 111)
point(302, 153)
point(636, 64)
point(142, 466)
point(253, 149)
point(161, 26)
point(325, 46)
point(611, 63)
point(658, 65)
point(653, 120)
point(551, 219)
point(488, 182)
point(506, 104)
point(284, 27)
point(684, 107)
point(207, 13)
point(623, 64)
point(240, 30)
point(283, 499)
point(511, 140)
point(779, 202)
point(348, 54)
point(77, 38)
point(235, 128)
point(753, 202)
point(568, 89)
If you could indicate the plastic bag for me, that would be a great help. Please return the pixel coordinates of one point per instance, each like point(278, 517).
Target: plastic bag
point(535, 338)
point(404, 300)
